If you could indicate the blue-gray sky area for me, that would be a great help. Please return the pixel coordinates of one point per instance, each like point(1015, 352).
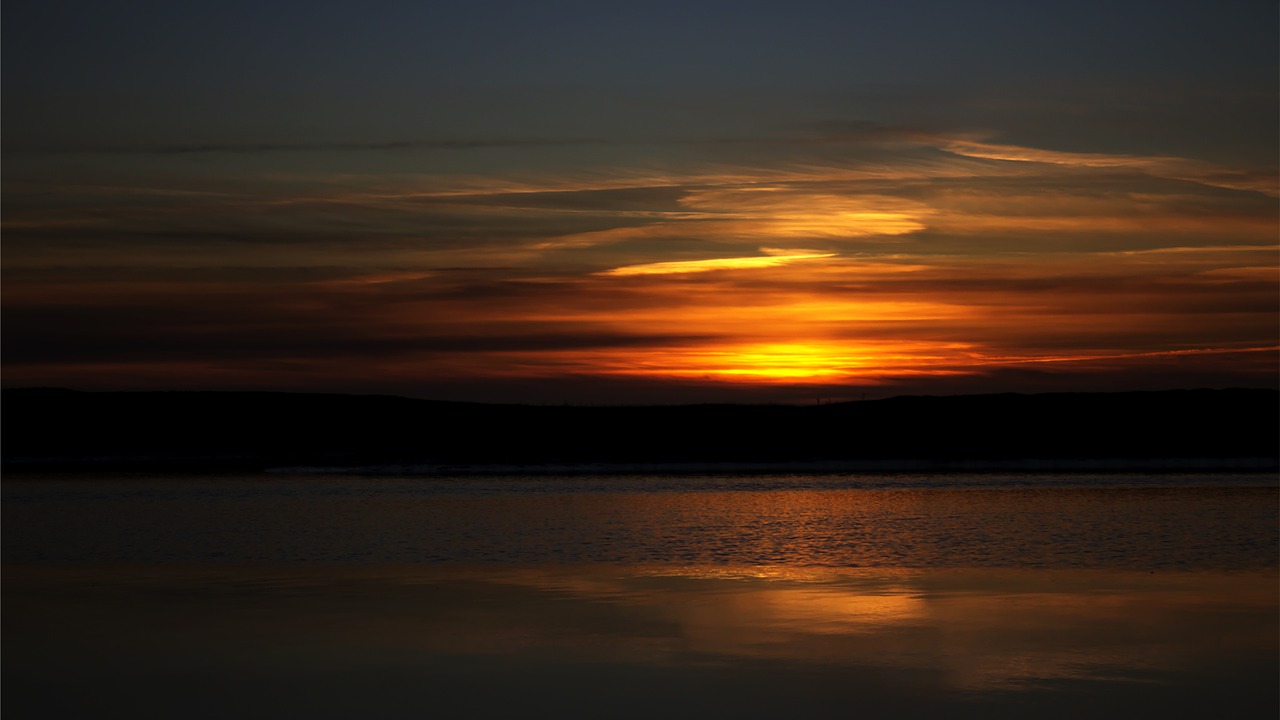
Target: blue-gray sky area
point(641, 202)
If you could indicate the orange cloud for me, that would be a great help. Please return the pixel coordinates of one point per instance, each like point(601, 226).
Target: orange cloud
point(948, 255)
point(1168, 167)
point(786, 212)
point(755, 212)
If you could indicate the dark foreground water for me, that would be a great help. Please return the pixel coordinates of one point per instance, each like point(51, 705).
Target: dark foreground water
point(850, 596)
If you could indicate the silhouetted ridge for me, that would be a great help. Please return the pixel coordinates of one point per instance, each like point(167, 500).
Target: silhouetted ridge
point(53, 428)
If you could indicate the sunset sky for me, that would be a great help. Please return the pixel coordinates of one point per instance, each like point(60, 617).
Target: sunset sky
point(596, 202)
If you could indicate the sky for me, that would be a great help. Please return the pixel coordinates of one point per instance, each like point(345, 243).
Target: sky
point(660, 202)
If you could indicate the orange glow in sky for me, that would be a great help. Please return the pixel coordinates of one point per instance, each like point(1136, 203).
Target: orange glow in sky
point(979, 261)
point(783, 362)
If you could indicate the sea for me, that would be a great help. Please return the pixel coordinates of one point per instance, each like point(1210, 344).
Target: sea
point(879, 595)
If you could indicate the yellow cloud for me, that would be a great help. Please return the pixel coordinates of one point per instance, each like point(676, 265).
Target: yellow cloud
point(693, 266)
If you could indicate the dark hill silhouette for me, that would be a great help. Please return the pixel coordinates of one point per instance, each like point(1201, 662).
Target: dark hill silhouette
point(54, 429)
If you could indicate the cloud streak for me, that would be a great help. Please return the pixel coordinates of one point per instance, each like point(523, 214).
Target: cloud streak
point(699, 266)
point(1263, 181)
point(937, 258)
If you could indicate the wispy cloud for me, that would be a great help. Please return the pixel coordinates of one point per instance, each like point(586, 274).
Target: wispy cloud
point(306, 147)
point(945, 256)
point(695, 266)
point(1264, 181)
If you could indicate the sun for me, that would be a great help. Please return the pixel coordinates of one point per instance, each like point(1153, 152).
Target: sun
point(789, 361)
point(822, 361)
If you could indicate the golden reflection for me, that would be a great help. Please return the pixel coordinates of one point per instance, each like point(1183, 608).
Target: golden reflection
point(905, 638)
point(979, 629)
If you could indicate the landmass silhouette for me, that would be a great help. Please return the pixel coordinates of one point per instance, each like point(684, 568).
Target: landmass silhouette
point(49, 430)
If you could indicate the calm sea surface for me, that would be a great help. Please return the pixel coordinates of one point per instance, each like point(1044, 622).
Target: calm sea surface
point(642, 596)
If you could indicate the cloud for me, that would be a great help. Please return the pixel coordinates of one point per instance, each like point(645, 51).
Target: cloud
point(754, 212)
point(787, 211)
point(1262, 181)
point(382, 278)
point(321, 147)
point(936, 256)
point(695, 266)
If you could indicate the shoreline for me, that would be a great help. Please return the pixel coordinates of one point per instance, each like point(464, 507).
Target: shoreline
point(116, 466)
point(1065, 465)
point(52, 468)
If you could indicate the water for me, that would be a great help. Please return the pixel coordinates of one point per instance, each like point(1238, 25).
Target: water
point(637, 596)
point(1122, 521)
